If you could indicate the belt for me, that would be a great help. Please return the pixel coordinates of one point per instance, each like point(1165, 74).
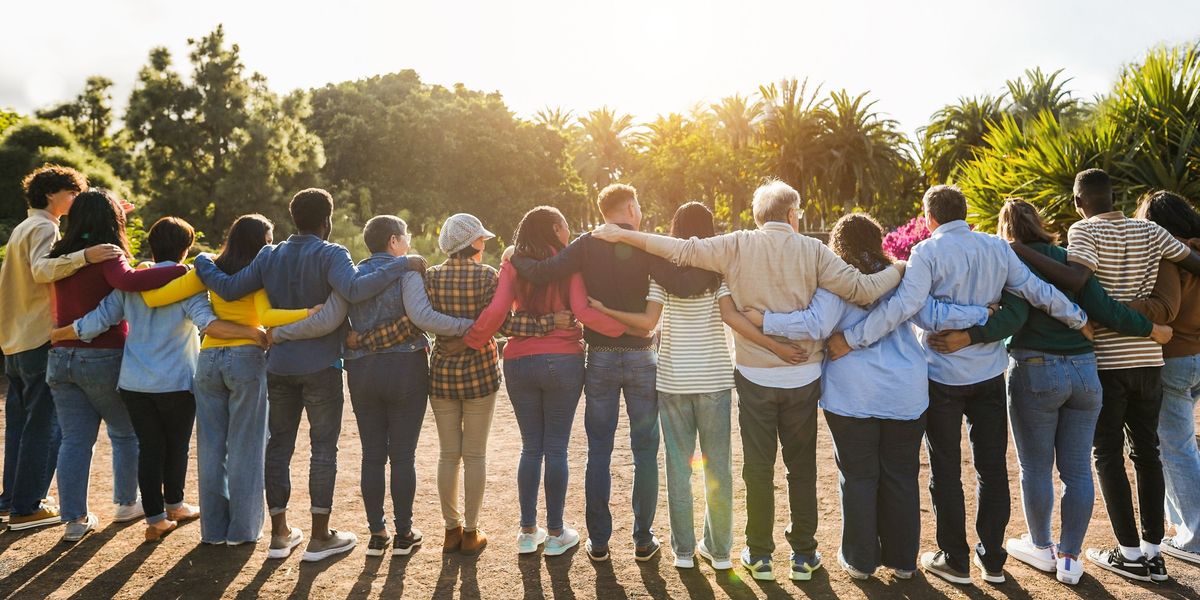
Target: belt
point(618, 349)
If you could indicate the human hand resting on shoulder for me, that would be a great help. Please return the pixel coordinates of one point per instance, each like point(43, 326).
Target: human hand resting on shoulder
point(417, 263)
point(508, 253)
point(609, 232)
point(101, 252)
point(900, 265)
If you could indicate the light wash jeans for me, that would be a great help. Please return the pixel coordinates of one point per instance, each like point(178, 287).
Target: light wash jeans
point(1053, 403)
point(83, 382)
point(1177, 443)
point(683, 418)
point(231, 436)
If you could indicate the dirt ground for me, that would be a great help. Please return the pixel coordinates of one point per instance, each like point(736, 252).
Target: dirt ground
point(113, 563)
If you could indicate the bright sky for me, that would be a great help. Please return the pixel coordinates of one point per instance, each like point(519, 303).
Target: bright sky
point(643, 57)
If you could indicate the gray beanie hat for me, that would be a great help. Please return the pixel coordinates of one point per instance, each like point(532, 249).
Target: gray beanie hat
point(459, 231)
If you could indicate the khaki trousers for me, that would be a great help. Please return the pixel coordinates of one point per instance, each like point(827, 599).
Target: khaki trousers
point(463, 427)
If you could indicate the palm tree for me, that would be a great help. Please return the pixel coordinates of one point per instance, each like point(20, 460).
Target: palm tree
point(556, 118)
point(737, 120)
point(1036, 92)
point(603, 152)
point(791, 131)
point(955, 133)
point(866, 152)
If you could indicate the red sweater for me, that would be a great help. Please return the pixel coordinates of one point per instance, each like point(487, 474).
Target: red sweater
point(78, 294)
point(559, 341)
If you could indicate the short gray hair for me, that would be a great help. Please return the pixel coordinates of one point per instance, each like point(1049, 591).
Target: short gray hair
point(773, 200)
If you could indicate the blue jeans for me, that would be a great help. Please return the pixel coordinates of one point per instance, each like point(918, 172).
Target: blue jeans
point(544, 390)
point(683, 418)
point(84, 384)
point(31, 434)
point(1177, 442)
point(608, 375)
point(389, 393)
point(288, 397)
point(1053, 403)
point(231, 439)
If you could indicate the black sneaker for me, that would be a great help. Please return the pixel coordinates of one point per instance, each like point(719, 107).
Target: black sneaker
point(378, 545)
point(404, 545)
point(938, 564)
point(596, 553)
point(645, 553)
point(1158, 568)
point(1113, 560)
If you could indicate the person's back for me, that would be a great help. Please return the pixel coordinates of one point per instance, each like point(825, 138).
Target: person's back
point(295, 274)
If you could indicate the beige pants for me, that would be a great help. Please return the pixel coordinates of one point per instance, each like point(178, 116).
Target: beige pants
point(463, 427)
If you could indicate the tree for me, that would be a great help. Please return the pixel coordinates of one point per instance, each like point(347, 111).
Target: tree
point(738, 119)
point(221, 144)
point(602, 154)
point(865, 152)
point(1037, 92)
point(89, 115)
point(955, 133)
point(791, 133)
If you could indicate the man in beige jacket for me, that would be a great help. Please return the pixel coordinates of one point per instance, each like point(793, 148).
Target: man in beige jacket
point(773, 268)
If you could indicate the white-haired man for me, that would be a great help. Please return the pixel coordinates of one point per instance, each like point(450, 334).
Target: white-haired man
point(773, 268)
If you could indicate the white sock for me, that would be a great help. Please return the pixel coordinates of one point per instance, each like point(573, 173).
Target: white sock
point(1150, 550)
point(1131, 553)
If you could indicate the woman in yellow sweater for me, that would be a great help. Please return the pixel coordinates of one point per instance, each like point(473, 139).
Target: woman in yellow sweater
point(231, 393)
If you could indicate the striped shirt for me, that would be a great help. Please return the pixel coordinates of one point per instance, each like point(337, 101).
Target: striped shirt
point(693, 356)
point(1124, 253)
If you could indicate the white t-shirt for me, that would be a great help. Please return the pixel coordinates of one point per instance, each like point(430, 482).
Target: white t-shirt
point(693, 355)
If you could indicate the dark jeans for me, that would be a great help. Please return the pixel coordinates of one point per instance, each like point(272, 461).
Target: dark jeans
point(770, 418)
point(878, 463)
point(31, 433)
point(544, 390)
point(609, 374)
point(985, 408)
point(288, 397)
point(1132, 400)
point(389, 393)
point(163, 423)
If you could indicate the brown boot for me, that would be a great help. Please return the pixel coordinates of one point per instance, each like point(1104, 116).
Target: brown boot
point(473, 542)
point(454, 540)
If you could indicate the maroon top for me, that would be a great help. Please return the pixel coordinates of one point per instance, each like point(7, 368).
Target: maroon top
point(78, 294)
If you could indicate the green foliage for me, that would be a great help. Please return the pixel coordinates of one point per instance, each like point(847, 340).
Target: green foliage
point(8, 118)
point(219, 144)
point(35, 142)
point(88, 115)
point(395, 144)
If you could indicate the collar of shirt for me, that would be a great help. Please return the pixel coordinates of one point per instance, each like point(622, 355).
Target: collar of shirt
point(1115, 215)
point(777, 226)
point(43, 213)
point(950, 228)
point(302, 238)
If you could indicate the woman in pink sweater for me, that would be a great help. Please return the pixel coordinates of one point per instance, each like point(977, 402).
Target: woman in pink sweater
point(543, 375)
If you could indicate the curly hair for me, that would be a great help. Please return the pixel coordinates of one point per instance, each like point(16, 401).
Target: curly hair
point(858, 239)
point(1172, 212)
point(48, 180)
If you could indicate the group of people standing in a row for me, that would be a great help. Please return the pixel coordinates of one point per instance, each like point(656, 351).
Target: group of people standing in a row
point(894, 353)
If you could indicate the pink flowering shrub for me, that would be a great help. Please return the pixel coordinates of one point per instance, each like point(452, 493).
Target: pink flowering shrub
point(900, 241)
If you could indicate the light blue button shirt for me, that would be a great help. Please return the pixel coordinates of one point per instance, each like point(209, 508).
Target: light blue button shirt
point(960, 266)
point(886, 380)
point(163, 343)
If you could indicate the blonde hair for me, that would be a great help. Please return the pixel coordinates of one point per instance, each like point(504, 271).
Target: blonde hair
point(1019, 221)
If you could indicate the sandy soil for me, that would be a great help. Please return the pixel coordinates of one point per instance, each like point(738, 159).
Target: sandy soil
point(114, 563)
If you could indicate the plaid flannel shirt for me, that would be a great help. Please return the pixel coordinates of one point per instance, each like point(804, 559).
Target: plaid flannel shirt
point(460, 288)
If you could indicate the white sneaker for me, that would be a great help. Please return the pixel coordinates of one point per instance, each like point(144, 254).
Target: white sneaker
point(75, 530)
point(1024, 550)
point(1169, 548)
point(903, 573)
point(527, 543)
point(850, 570)
point(1070, 570)
point(685, 562)
point(125, 513)
point(719, 565)
point(339, 542)
point(281, 547)
point(559, 544)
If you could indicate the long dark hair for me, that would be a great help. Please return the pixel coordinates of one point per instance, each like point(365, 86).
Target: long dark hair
point(1019, 221)
point(694, 220)
point(246, 237)
point(858, 239)
point(1172, 212)
point(95, 218)
point(535, 237)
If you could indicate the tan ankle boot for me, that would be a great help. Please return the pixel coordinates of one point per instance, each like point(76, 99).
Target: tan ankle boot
point(454, 540)
point(473, 542)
